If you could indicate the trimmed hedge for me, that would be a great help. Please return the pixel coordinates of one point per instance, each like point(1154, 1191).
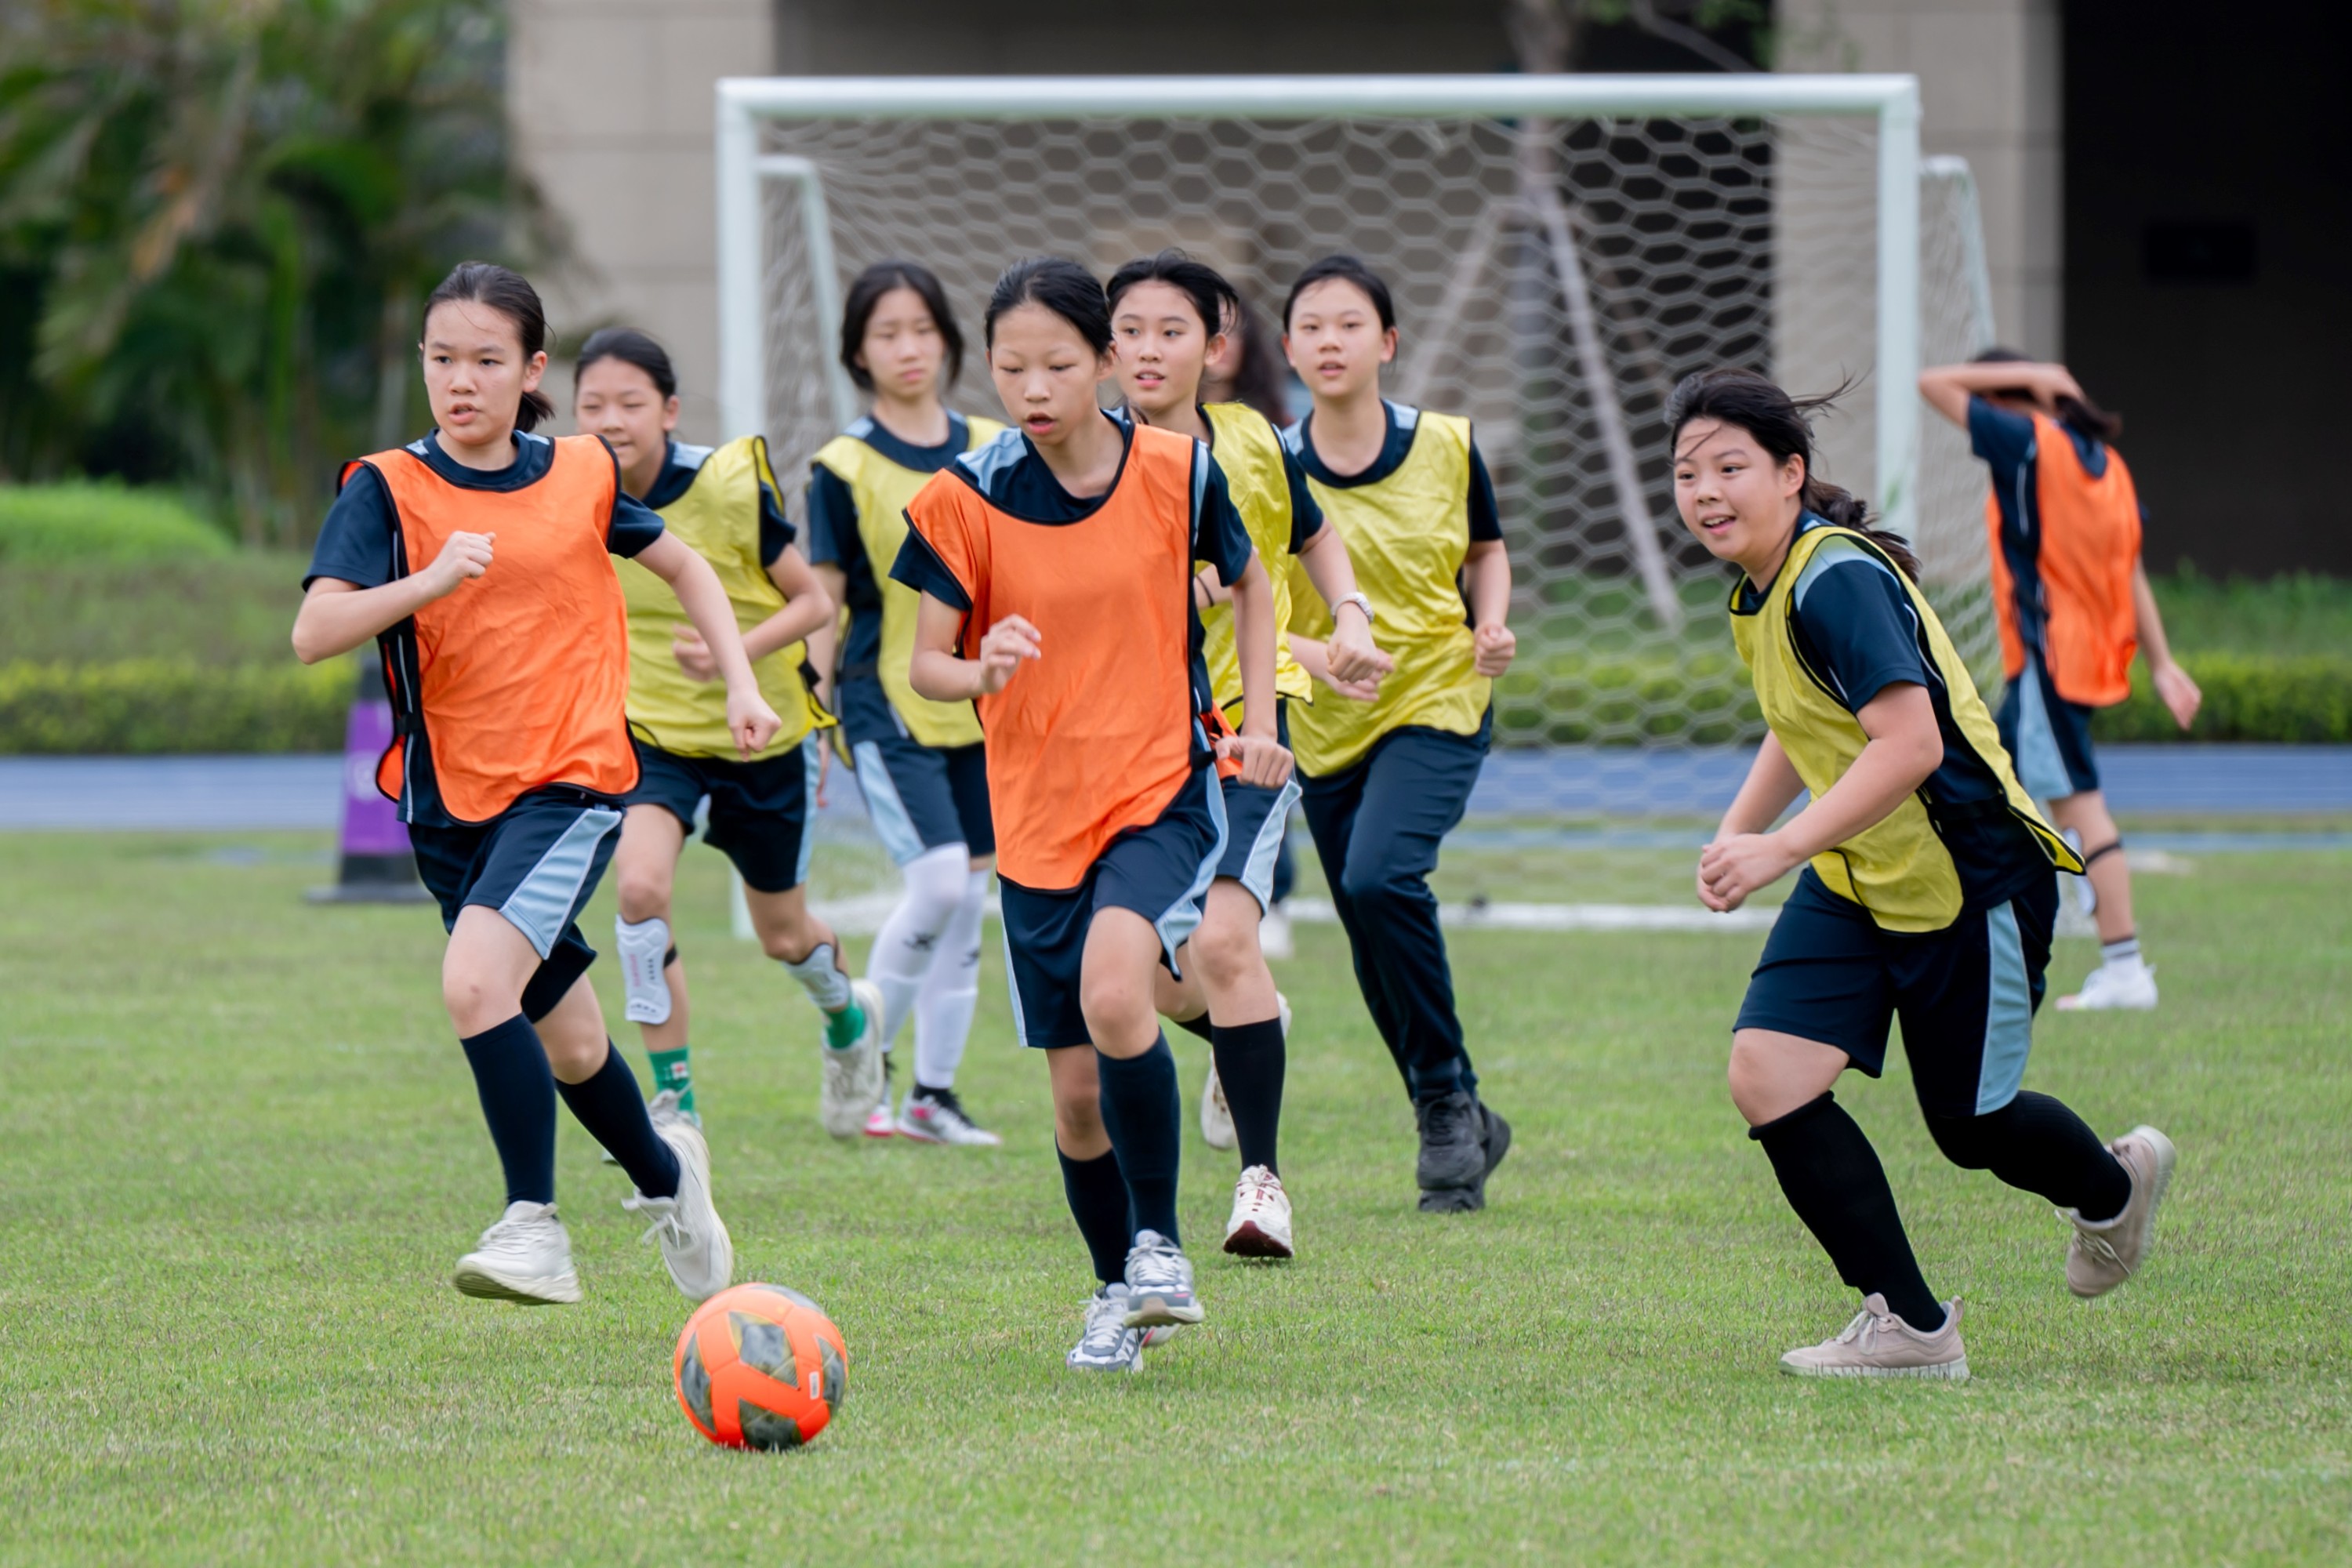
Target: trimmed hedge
point(2297, 700)
point(46, 524)
point(157, 706)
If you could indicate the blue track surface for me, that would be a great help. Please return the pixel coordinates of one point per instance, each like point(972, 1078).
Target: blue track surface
point(250, 794)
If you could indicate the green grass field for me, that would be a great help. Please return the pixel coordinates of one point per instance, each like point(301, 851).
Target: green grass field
point(239, 1151)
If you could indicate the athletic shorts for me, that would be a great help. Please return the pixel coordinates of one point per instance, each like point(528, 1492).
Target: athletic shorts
point(2048, 737)
point(918, 797)
point(759, 811)
point(1256, 820)
point(1160, 871)
point(536, 863)
point(1966, 994)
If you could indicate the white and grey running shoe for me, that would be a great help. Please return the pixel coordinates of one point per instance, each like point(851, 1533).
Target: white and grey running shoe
point(937, 1116)
point(854, 1083)
point(664, 1104)
point(1260, 1224)
point(695, 1245)
point(879, 1123)
point(2128, 985)
point(526, 1257)
point(1108, 1344)
point(1158, 1283)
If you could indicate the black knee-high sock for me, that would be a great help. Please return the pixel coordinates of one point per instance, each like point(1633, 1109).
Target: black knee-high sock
point(1144, 1118)
point(1098, 1202)
point(1834, 1182)
point(1249, 1062)
point(519, 1103)
point(613, 1110)
point(2035, 1142)
point(1196, 1026)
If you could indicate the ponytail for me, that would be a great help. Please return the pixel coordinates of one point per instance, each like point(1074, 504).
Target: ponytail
point(1782, 426)
point(511, 295)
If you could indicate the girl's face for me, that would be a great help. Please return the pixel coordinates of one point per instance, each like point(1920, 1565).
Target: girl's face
point(1161, 348)
point(1740, 503)
point(902, 349)
point(1336, 341)
point(619, 400)
point(1045, 374)
point(475, 372)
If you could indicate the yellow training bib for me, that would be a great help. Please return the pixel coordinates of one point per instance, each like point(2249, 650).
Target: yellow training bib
point(1408, 535)
point(719, 519)
point(1249, 450)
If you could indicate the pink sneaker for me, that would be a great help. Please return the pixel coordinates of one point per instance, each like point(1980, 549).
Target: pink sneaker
point(1877, 1343)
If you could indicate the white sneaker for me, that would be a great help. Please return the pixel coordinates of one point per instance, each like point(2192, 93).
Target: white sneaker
point(526, 1257)
point(1158, 1283)
point(1216, 1118)
point(1274, 934)
point(1260, 1225)
point(660, 1107)
point(940, 1118)
point(854, 1083)
point(2127, 985)
point(1877, 1343)
point(694, 1240)
point(879, 1123)
point(2103, 1254)
point(1106, 1343)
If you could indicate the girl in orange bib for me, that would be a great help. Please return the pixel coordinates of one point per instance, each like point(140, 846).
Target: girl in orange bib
point(1056, 566)
point(477, 557)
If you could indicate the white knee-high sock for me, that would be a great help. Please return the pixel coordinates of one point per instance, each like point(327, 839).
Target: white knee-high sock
point(952, 992)
point(911, 938)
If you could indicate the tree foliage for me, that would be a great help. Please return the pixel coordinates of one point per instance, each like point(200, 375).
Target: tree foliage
point(217, 219)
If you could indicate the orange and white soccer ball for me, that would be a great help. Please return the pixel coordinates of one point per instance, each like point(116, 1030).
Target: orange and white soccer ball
point(760, 1366)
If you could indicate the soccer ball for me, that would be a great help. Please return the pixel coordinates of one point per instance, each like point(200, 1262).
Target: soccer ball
point(760, 1366)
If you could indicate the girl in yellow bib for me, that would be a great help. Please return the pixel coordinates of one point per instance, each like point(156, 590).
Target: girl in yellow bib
point(1926, 894)
point(921, 764)
point(1387, 767)
point(723, 502)
point(1168, 317)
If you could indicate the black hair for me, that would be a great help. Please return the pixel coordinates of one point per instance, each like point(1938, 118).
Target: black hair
point(865, 292)
point(1352, 271)
point(1061, 286)
point(1782, 426)
point(1258, 375)
point(511, 295)
point(2079, 415)
point(1213, 300)
point(630, 347)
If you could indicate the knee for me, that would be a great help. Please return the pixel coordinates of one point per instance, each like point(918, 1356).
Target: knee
point(1116, 1004)
point(1370, 883)
point(575, 1056)
point(475, 1001)
point(642, 892)
point(1226, 951)
point(1965, 1141)
point(1746, 1075)
point(790, 942)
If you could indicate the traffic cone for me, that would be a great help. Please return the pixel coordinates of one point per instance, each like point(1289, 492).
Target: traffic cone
point(376, 865)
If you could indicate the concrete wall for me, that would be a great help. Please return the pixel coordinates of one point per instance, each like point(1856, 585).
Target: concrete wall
point(611, 103)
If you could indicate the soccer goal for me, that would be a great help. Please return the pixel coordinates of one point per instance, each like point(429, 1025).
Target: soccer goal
point(1563, 249)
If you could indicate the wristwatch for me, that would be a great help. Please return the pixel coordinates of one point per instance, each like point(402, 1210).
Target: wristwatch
point(1359, 602)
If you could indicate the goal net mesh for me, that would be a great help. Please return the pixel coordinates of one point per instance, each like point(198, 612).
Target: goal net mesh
point(1552, 282)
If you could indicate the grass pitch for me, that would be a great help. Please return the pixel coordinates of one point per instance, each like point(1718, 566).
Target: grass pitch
point(239, 1151)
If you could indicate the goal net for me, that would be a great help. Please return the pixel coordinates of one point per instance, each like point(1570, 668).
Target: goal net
point(1561, 251)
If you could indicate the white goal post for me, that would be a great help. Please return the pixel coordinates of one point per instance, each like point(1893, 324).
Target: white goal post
point(1563, 248)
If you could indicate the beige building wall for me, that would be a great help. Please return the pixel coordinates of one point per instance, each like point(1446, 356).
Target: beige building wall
point(611, 105)
point(1988, 87)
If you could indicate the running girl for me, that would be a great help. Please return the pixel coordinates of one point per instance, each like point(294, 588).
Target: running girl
point(1926, 894)
point(2073, 601)
point(475, 556)
point(1167, 313)
point(722, 503)
point(919, 762)
point(1387, 777)
point(1056, 566)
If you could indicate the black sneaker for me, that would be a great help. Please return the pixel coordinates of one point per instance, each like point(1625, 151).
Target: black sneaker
point(1493, 1142)
point(1451, 1147)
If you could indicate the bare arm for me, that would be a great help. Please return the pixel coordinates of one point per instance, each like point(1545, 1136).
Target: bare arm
point(1264, 761)
point(1488, 568)
point(825, 642)
point(1903, 748)
point(938, 673)
point(1949, 387)
point(806, 608)
point(749, 717)
point(2178, 692)
point(338, 616)
point(1352, 653)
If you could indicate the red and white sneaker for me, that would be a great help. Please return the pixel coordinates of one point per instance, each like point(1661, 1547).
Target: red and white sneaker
point(1260, 1225)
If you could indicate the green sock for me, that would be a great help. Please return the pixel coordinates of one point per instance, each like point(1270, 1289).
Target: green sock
point(671, 1071)
point(842, 1028)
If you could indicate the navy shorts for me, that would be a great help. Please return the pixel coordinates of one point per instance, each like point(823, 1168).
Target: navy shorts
point(2048, 737)
point(536, 863)
point(759, 811)
point(1256, 820)
point(920, 798)
point(1966, 994)
point(1160, 871)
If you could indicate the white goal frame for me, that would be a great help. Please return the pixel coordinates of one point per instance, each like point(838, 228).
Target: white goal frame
point(744, 102)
